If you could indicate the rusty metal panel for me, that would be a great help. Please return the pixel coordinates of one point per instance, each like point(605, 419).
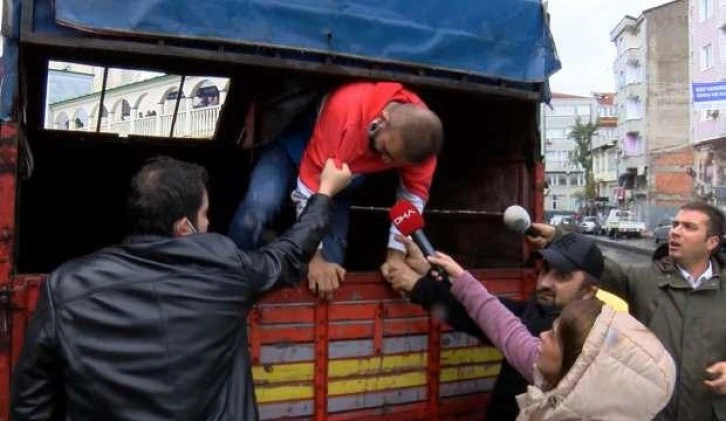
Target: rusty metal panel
point(383, 355)
point(8, 169)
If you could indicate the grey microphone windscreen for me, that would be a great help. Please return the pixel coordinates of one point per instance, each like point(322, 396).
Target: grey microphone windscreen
point(517, 219)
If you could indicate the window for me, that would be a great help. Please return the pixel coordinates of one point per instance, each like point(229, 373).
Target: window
point(633, 109)
point(135, 102)
point(562, 180)
point(574, 179)
point(605, 111)
point(706, 57)
point(611, 161)
point(708, 115)
point(633, 74)
point(633, 144)
point(705, 9)
point(574, 202)
point(722, 47)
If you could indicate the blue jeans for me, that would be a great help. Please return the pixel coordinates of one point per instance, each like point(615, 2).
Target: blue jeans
point(272, 180)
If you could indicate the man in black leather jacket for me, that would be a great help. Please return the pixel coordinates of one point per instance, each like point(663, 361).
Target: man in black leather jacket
point(155, 328)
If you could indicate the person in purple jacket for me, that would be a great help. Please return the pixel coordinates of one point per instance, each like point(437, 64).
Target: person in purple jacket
point(595, 363)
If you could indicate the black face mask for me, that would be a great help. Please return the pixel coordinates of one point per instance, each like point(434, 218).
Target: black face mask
point(191, 225)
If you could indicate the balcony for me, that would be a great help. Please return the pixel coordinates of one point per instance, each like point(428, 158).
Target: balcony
point(632, 56)
point(559, 166)
point(601, 143)
point(605, 176)
point(633, 161)
point(632, 125)
point(633, 89)
point(194, 123)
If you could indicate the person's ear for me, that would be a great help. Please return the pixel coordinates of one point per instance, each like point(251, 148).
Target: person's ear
point(375, 127)
point(183, 227)
point(590, 292)
point(713, 242)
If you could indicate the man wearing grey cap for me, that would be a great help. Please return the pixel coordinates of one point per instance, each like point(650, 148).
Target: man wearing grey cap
point(571, 267)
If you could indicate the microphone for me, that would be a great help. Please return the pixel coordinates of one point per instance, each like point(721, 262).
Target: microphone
point(517, 219)
point(407, 219)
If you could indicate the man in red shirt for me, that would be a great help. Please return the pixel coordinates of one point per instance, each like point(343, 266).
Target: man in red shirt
point(371, 126)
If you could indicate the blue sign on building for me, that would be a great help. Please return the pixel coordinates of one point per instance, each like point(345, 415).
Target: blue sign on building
point(709, 95)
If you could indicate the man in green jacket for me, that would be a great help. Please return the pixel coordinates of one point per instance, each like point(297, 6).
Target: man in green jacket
point(681, 297)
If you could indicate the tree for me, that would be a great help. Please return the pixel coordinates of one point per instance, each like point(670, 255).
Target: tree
point(582, 135)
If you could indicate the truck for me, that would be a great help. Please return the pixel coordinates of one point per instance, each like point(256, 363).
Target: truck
point(90, 93)
point(623, 222)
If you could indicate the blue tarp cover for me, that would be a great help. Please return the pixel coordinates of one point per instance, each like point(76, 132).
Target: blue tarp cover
point(498, 39)
point(503, 39)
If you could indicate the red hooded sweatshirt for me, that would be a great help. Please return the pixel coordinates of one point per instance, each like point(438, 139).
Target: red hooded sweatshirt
point(342, 130)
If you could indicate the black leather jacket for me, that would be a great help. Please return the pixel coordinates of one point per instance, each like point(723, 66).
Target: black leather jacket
point(155, 328)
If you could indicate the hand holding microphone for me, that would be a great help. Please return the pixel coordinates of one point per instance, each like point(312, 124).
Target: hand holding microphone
point(407, 219)
point(517, 219)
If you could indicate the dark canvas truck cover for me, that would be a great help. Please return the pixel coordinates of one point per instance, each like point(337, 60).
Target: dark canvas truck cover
point(369, 353)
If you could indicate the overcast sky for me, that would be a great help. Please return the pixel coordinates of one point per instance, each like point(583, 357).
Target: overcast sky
point(581, 29)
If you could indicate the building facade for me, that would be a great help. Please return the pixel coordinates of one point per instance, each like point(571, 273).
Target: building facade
point(565, 179)
point(667, 122)
point(135, 102)
point(651, 77)
point(605, 151)
point(707, 21)
point(629, 39)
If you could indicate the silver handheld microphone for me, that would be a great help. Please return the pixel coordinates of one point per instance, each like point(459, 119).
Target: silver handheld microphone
point(517, 219)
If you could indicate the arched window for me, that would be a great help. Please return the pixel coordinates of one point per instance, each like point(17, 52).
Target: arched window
point(125, 110)
point(205, 95)
point(80, 119)
point(170, 101)
point(62, 122)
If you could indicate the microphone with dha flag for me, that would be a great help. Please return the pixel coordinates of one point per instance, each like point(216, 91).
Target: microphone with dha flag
point(407, 219)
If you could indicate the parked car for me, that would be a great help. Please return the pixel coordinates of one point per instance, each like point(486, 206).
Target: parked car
point(590, 225)
point(569, 224)
point(661, 231)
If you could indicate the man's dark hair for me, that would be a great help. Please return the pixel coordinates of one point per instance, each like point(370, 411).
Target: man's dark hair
point(716, 220)
point(420, 129)
point(162, 192)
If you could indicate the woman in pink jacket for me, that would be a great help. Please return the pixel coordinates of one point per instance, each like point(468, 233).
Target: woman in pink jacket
point(595, 363)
